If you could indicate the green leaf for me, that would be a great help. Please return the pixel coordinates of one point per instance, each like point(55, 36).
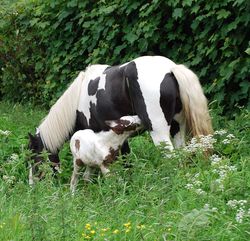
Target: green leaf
point(34, 21)
point(232, 26)
point(178, 12)
point(247, 51)
point(187, 2)
point(222, 14)
point(72, 3)
point(131, 37)
point(118, 49)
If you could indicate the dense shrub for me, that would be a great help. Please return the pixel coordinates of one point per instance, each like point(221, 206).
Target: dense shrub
point(44, 43)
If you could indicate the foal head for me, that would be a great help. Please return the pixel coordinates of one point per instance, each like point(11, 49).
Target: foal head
point(125, 125)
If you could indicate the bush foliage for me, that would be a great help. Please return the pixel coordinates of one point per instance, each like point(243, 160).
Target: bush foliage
point(43, 43)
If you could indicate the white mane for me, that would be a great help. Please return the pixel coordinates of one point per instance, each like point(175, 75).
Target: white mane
point(60, 121)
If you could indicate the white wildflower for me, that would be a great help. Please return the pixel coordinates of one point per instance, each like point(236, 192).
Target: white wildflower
point(220, 132)
point(232, 168)
point(242, 202)
point(214, 209)
point(9, 179)
point(236, 203)
point(197, 183)
point(226, 141)
point(200, 191)
point(230, 136)
point(206, 206)
point(215, 159)
point(232, 204)
point(13, 157)
point(240, 215)
point(189, 186)
point(196, 175)
point(5, 133)
point(203, 143)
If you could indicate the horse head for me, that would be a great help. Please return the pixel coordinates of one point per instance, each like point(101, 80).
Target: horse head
point(37, 147)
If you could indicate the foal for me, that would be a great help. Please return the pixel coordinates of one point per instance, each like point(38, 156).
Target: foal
point(100, 149)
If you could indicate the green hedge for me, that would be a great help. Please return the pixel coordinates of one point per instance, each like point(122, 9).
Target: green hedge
point(43, 43)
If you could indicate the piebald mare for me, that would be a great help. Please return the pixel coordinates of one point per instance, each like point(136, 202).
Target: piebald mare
point(167, 97)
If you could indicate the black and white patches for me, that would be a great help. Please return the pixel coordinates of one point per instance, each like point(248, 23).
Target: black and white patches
point(112, 100)
point(144, 87)
point(115, 87)
point(175, 128)
point(81, 121)
point(96, 121)
point(93, 86)
point(168, 96)
point(135, 94)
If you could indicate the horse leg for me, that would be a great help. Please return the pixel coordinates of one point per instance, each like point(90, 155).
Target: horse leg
point(161, 135)
point(31, 180)
point(178, 130)
point(75, 175)
point(87, 174)
point(54, 158)
point(104, 170)
point(125, 148)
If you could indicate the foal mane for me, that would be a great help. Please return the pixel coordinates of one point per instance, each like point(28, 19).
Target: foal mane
point(59, 123)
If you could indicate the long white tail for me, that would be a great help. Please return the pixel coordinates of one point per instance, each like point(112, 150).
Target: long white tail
point(60, 121)
point(193, 101)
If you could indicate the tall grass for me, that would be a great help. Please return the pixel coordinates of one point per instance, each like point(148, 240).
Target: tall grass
point(184, 195)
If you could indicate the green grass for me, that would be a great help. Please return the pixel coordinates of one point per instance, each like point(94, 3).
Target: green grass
point(179, 197)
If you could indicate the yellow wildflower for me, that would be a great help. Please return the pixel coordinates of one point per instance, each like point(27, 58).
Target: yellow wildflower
point(88, 226)
point(116, 231)
point(140, 226)
point(105, 229)
point(127, 230)
point(127, 225)
point(92, 231)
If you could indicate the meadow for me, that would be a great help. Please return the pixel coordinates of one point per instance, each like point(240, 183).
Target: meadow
point(183, 195)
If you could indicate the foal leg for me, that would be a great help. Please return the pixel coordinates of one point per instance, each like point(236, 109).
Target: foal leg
point(75, 175)
point(104, 170)
point(87, 174)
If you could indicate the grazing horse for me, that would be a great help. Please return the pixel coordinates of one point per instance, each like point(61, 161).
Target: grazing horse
point(167, 97)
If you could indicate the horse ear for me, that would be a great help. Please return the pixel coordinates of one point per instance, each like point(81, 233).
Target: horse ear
point(31, 137)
